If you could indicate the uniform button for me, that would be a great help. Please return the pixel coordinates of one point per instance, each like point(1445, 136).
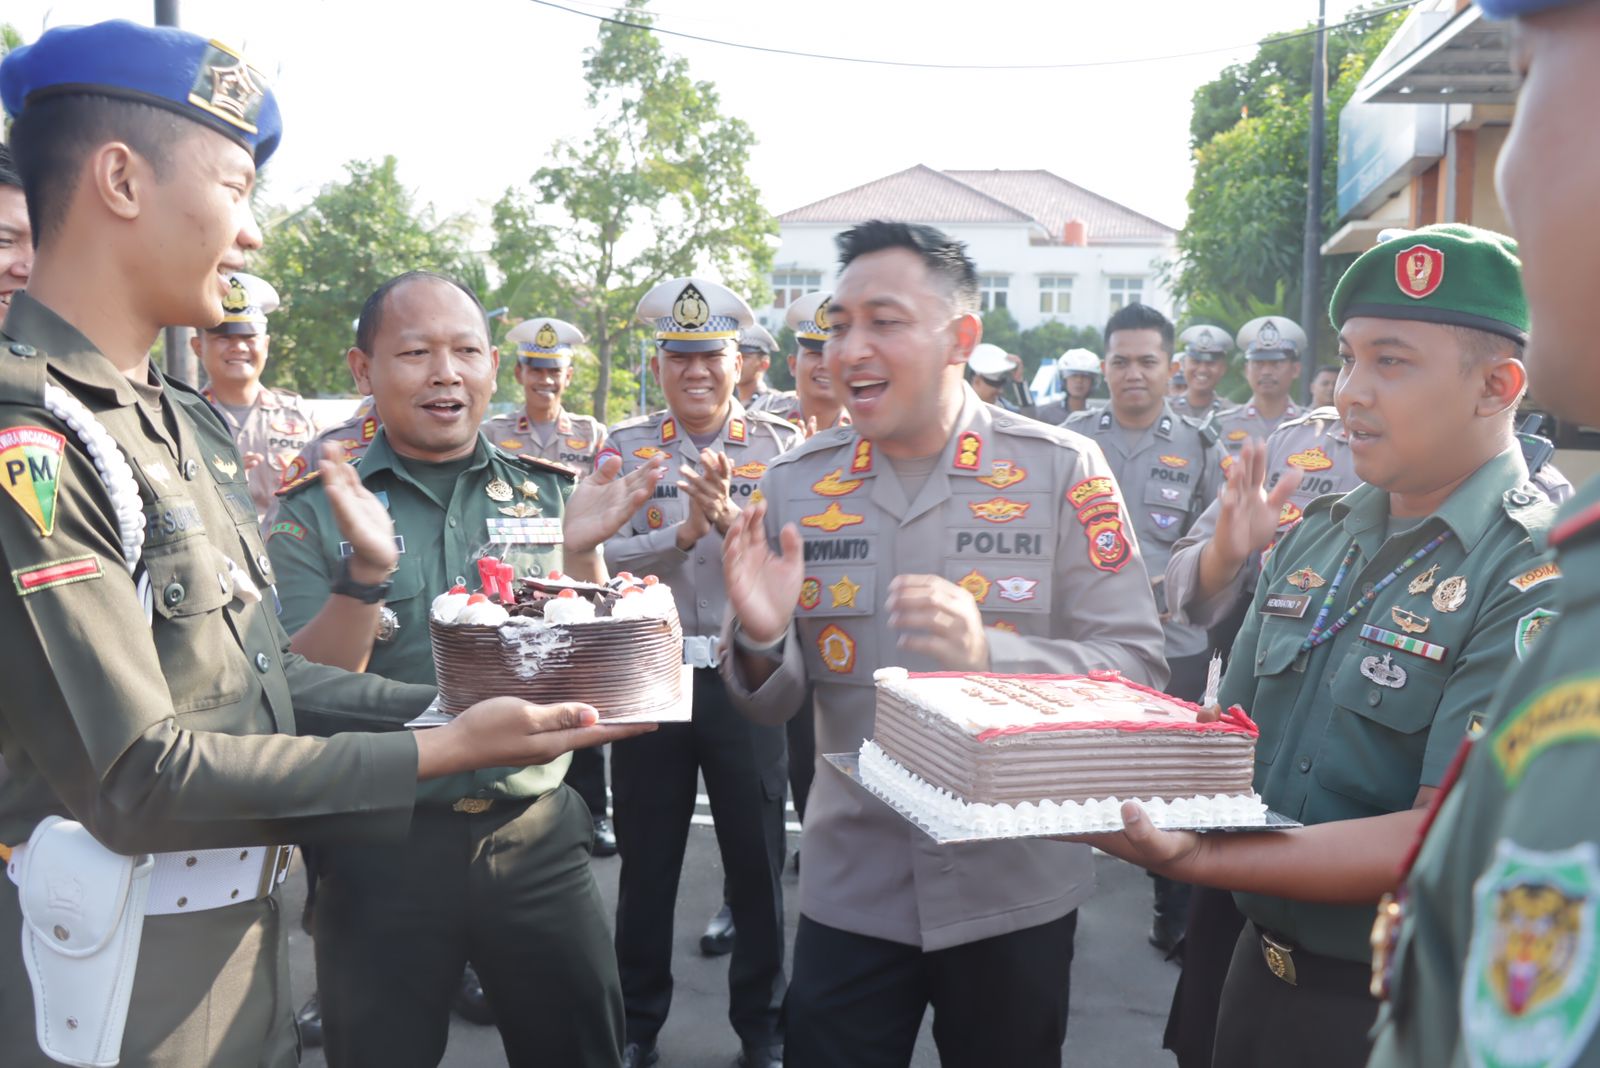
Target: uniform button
point(1519, 498)
point(263, 665)
point(700, 559)
point(22, 349)
point(704, 603)
point(452, 521)
point(1373, 697)
point(264, 563)
point(172, 595)
point(190, 469)
point(1305, 765)
point(1261, 658)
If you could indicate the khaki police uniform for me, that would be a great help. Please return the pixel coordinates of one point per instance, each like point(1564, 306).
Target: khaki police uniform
point(653, 777)
point(530, 922)
point(1168, 476)
point(278, 427)
point(1238, 425)
point(1180, 406)
point(353, 435)
point(569, 439)
point(1028, 519)
point(776, 401)
point(171, 733)
point(1356, 726)
point(1493, 955)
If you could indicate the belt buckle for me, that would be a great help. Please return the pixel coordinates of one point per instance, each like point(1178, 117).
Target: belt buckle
point(274, 869)
point(1385, 934)
point(472, 806)
point(1280, 958)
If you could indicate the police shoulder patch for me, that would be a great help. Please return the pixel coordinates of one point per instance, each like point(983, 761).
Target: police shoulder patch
point(1531, 989)
point(539, 463)
point(30, 472)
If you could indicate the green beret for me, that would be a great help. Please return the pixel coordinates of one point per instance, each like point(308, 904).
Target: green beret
point(1451, 273)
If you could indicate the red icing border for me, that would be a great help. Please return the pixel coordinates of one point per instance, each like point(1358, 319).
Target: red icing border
point(1233, 721)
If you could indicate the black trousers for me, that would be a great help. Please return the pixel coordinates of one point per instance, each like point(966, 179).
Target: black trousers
point(1206, 953)
point(510, 890)
point(653, 793)
point(1320, 1023)
point(802, 736)
point(857, 1001)
point(587, 775)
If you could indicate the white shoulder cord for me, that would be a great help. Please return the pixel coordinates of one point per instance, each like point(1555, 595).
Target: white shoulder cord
point(117, 477)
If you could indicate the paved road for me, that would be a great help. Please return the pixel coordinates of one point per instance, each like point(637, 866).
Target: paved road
point(1120, 986)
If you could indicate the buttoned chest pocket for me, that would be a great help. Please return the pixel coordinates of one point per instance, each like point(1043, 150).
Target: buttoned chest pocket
point(201, 657)
point(1165, 507)
point(1277, 648)
point(405, 615)
point(843, 647)
point(1014, 590)
point(1384, 703)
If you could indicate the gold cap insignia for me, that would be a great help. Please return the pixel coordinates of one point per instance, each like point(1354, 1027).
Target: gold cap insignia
point(821, 317)
point(227, 87)
point(237, 299)
point(546, 337)
point(690, 310)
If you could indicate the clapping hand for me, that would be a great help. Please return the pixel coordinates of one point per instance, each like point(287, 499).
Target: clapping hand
point(763, 586)
point(940, 619)
point(603, 502)
point(709, 487)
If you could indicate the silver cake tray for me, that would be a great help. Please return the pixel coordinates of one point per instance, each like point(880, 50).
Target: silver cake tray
point(849, 764)
point(681, 712)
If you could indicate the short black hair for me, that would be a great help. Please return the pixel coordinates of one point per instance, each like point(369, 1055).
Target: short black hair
point(1478, 345)
point(1326, 368)
point(945, 257)
point(54, 136)
point(8, 169)
point(1140, 317)
point(371, 320)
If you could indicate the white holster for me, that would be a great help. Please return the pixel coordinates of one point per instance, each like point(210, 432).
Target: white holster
point(83, 910)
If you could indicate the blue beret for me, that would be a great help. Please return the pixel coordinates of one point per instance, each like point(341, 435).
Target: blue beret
point(1511, 9)
point(170, 68)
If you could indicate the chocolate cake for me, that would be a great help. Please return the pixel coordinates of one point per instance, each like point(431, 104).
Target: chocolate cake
point(982, 748)
point(618, 647)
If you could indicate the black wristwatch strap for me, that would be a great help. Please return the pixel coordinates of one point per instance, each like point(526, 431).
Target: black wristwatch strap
point(349, 587)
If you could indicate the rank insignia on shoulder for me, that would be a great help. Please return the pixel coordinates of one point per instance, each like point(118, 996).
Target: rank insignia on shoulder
point(861, 462)
point(669, 431)
point(30, 469)
point(369, 428)
point(831, 519)
point(1003, 474)
point(969, 447)
point(55, 573)
point(1531, 989)
point(736, 430)
point(837, 649)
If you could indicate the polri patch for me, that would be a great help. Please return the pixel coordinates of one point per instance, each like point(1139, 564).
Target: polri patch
point(56, 573)
point(1531, 993)
point(30, 470)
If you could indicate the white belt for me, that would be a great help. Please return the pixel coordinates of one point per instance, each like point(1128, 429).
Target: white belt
point(202, 879)
point(702, 652)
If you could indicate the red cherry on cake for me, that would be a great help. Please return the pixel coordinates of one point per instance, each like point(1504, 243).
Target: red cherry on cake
point(569, 594)
point(651, 580)
point(458, 589)
point(556, 576)
point(630, 591)
point(477, 598)
point(625, 575)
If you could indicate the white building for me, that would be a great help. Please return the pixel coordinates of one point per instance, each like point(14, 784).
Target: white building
point(1045, 248)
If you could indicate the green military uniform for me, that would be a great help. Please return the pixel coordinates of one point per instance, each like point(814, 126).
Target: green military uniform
point(171, 733)
point(495, 870)
point(1495, 960)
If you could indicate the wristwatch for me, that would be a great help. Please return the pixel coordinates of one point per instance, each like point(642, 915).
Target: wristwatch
point(362, 592)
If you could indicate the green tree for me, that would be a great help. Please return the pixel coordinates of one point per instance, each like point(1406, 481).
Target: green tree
point(1243, 239)
point(327, 257)
point(658, 190)
point(1000, 328)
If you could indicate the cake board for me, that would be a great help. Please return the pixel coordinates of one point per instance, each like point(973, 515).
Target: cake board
point(680, 712)
point(1107, 821)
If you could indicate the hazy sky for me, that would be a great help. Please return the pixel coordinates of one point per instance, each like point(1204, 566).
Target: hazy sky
point(471, 94)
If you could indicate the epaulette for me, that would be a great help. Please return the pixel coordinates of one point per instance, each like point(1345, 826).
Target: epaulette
point(1023, 427)
point(1530, 509)
point(1325, 414)
point(771, 420)
point(304, 480)
point(538, 463)
point(636, 421)
point(22, 375)
point(1206, 427)
point(832, 438)
point(195, 401)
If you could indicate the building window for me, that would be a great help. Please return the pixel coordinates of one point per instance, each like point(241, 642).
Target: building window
point(792, 285)
point(1055, 294)
point(992, 290)
point(1125, 290)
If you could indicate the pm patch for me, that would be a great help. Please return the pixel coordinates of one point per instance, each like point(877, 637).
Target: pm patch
point(30, 470)
point(56, 573)
point(1531, 993)
point(1530, 626)
point(1566, 712)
